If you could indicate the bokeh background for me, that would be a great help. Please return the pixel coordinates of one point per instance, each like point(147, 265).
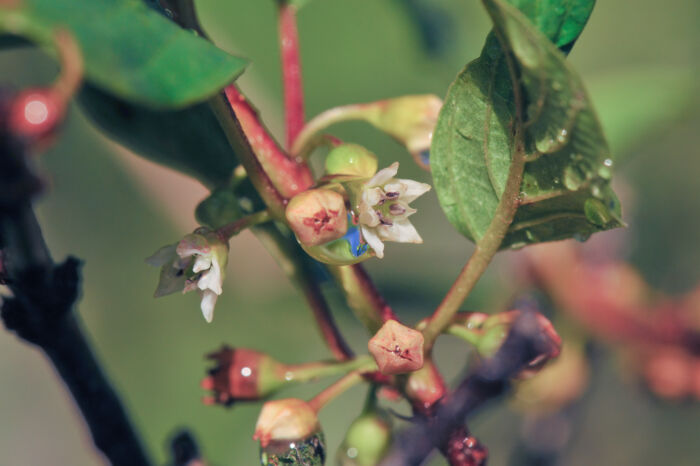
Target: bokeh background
point(108, 207)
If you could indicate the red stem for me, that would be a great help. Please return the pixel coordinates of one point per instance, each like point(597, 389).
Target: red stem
point(383, 309)
point(287, 175)
point(291, 72)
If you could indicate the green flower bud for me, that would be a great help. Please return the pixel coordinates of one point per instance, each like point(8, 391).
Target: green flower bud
point(351, 159)
point(317, 216)
point(367, 441)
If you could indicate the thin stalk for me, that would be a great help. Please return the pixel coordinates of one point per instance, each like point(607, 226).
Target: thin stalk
point(290, 259)
point(316, 370)
point(230, 230)
point(325, 119)
point(341, 386)
point(291, 71)
point(362, 296)
point(490, 243)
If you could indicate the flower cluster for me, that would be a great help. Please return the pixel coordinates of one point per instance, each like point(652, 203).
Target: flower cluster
point(197, 262)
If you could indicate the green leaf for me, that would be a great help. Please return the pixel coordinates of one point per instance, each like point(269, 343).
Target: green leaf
point(189, 140)
point(564, 192)
point(130, 50)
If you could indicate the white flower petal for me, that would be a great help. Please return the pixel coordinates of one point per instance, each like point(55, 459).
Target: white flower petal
point(414, 189)
point(368, 216)
point(395, 187)
point(211, 279)
point(207, 305)
point(373, 240)
point(402, 231)
point(397, 207)
point(201, 263)
point(372, 196)
point(383, 175)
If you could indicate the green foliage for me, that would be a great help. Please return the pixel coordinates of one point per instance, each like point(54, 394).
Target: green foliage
point(189, 140)
point(565, 189)
point(130, 50)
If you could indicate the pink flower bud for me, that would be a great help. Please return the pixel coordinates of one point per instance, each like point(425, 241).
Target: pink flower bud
point(286, 419)
point(241, 374)
point(397, 349)
point(317, 216)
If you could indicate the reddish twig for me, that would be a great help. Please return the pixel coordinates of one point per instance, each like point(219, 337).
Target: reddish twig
point(288, 176)
point(291, 72)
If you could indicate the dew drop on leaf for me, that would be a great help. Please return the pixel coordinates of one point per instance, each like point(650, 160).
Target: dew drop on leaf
point(596, 212)
point(572, 178)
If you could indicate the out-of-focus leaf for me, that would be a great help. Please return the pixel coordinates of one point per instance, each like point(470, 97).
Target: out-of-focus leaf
point(565, 189)
point(130, 50)
point(189, 140)
point(641, 101)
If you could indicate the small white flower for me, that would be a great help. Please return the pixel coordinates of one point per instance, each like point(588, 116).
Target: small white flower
point(384, 209)
point(197, 262)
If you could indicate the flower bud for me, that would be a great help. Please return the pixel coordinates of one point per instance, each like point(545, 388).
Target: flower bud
point(351, 159)
point(242, 375)
point(464, 450)
point(35, 114)
point(411, 120)
point(495, 330)
point(286, 420)
point(367, 441)
point(397, 349)
point(425, 387)
point(348, 250)
point(317, 216)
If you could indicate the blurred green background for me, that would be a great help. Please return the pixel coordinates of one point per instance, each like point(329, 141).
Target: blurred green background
point(640, 62)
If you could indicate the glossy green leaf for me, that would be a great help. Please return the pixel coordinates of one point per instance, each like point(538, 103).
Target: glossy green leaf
point(565, 190)
point(130, 50)
point(189, 140)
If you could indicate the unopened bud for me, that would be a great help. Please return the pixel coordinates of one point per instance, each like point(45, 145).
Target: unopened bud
point(425, 387)
point(35, 114)
point(242, 375)
point(351, 159)
point(286, 420)
point(367, 441)
point(397, 349)
point(495, 330)
point(411, 120)
point(462, 449)
point(317, 216)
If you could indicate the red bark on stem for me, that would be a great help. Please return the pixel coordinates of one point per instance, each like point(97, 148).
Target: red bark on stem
point(287, 175)
point(291, 72)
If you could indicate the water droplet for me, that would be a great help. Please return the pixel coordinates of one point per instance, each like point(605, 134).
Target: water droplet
point(289, 375)
point(531, 236)
point(596, 191)
point(582, 237)
point(605, 172)
point(596, 212)
point(573, 179)
point(608, 162)
point(556, 180)
point(563, 136)
point(352, 452)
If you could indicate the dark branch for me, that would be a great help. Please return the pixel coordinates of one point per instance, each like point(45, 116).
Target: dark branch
point(525, 343)
point(40, 310)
